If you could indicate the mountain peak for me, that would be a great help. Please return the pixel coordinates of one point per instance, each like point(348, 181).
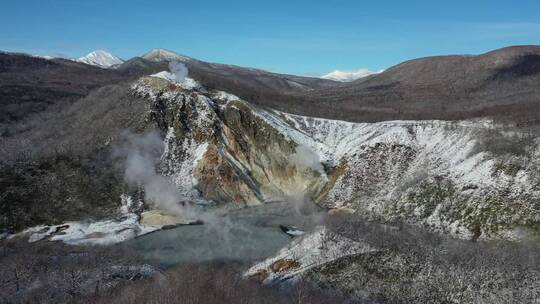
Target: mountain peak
point(100, 58)
point(164, 55)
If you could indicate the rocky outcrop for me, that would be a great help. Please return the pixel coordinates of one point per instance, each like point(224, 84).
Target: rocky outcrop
point(474, 179)
point(305, 253)
point(219, 148)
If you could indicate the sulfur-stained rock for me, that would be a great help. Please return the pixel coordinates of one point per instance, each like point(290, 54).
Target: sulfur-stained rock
point(160, 218)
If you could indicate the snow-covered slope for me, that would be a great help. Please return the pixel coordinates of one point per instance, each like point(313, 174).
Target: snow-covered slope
point(104, 232)
point(347, 76)
point(101, 59)
point(164, 55)
point(463, 177)
point(304, 253)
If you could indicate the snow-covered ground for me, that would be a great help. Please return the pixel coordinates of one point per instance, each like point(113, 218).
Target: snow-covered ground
point(104, 232)
point(126, 226)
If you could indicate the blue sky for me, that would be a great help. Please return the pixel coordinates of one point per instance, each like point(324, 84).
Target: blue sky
point(302, 37)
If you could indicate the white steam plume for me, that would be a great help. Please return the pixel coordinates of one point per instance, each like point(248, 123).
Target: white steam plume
point(179, 70)
point(142, 153)
point(305, 158)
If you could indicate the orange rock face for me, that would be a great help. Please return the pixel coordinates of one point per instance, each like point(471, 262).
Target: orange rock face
point(284, 265)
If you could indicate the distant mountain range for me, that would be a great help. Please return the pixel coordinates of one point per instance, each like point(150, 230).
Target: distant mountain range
point(501, 84)
point(104, 59)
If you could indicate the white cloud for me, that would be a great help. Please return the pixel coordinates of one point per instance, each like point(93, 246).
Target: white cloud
point(351, 75)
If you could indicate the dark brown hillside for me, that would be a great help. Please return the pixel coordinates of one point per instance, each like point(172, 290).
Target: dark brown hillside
point(29, 85)
point(229, 76)
point(503, 84)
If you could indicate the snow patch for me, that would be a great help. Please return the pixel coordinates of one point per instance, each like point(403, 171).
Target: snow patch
point(347, 76)
point(224, 96)
point(181, 169)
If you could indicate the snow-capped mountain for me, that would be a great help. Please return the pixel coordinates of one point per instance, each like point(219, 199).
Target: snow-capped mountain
point(164, 55)
point(346, 76)
point(100, 58)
